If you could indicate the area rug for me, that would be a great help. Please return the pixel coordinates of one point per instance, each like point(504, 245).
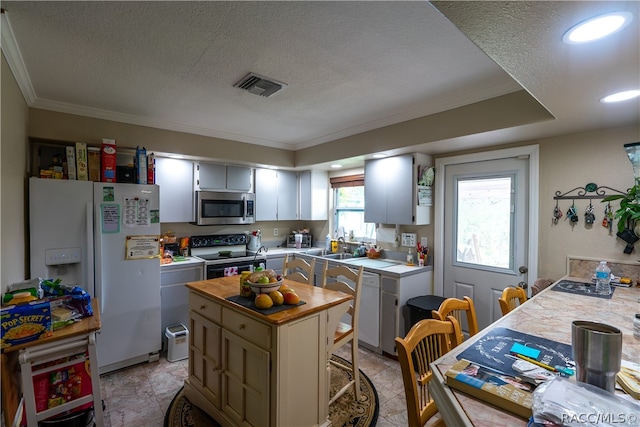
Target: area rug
point(344, 412)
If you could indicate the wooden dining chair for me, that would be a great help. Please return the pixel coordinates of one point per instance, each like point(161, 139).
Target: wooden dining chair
point(342, 278)
point(457, 307)
point(539, 285)
point(512, 296)
point(299, 269)
point(425, 342)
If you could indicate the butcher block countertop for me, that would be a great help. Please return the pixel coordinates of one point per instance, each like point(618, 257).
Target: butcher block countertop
point(316, 298)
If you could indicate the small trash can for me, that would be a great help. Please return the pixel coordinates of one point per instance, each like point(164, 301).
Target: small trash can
point(420, 307)
point(178, 338)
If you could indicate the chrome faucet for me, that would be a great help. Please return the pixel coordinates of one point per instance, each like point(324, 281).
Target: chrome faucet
point(345, 247)
point(258, 251)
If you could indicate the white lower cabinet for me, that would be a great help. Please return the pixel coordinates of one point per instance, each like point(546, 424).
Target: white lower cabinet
point(275, 262)
point(394, 320)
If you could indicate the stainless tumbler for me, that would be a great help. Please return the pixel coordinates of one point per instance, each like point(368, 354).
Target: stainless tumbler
point(597, 351)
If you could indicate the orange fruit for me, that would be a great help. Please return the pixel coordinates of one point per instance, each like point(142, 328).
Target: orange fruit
point(291, 298)
point(263, 301)
point(284, 289)
point(277, 297)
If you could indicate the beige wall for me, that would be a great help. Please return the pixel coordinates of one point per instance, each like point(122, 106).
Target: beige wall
point(13, 172)
point(573, 161)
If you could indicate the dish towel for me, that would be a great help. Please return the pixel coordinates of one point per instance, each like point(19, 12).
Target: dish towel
point(231, 271)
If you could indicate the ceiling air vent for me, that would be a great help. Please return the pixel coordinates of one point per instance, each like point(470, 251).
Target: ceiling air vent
point(260, 85)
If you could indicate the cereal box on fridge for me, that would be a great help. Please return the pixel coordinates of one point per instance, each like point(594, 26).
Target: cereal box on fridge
point(140, 164)
point(108, 160)
point(82, 165)
point(151, 169)
point(94, 163)
point(71, 162)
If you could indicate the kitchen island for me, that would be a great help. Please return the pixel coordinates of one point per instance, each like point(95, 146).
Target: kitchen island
point(249, 368)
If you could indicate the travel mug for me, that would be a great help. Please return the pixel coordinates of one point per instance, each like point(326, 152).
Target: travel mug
point(298, 240)
point(597, 351)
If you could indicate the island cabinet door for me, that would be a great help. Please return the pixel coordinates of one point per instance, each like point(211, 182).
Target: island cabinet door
point(204, 357)
point(245, 381)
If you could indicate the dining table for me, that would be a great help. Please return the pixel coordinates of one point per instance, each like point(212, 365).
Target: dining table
point(549, 315)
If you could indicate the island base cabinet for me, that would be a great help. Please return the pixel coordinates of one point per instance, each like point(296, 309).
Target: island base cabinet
point(244, 371)
point(245, 381)
point(204, 357)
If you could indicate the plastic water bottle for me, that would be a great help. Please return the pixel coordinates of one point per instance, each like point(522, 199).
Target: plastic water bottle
point(603, 279)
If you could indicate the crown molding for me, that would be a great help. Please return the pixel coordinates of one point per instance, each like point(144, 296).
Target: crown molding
point(14, 59)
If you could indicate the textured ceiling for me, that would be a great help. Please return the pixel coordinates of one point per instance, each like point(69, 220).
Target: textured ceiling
point(350, 66)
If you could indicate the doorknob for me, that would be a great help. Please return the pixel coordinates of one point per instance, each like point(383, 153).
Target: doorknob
point(523, 285)
point(523, 269)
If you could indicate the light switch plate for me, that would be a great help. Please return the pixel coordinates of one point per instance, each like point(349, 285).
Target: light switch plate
point(409, 239)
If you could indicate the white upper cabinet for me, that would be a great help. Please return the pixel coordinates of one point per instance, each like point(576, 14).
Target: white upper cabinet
point(210, 176)
point(217, 177)
point(391, 190)
point(314, 195)
point(276, 195)
point(239, 178)
point(287, 195)
point(175, 179)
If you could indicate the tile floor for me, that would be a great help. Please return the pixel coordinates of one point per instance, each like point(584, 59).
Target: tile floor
point(140, 395)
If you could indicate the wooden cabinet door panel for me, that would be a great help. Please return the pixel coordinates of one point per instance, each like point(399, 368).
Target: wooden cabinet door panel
point(204, 356)
point(245, 381)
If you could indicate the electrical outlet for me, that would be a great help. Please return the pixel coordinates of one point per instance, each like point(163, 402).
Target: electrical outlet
point(409, 239)
point(275, 231)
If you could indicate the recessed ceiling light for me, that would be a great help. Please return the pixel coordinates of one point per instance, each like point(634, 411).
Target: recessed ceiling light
point(597, 27)
point(621, 96)
point(379, 155)
point(336, 166)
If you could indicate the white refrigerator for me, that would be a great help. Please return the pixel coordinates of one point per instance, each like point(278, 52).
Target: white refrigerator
point(103, 237)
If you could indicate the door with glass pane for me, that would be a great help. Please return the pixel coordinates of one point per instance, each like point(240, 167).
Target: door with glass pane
point(485, 230)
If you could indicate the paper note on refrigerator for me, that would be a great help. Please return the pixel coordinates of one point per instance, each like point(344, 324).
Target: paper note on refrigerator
point(137, 212)
point(110, 217)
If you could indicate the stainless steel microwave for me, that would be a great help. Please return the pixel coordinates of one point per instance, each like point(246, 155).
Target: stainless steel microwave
point(221, 208)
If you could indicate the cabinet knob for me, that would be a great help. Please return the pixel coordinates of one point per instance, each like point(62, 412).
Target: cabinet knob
point(242, 326)
point(202, 307)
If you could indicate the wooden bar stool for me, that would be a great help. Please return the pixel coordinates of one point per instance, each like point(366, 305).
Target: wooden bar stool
point(512, 296)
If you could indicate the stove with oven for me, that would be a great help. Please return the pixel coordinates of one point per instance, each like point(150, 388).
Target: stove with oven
point(225, 254)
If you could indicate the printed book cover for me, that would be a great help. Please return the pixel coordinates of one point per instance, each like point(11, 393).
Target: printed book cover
point(502, 391)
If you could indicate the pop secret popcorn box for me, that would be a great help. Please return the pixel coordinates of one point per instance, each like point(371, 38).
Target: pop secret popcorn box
point(25, 322)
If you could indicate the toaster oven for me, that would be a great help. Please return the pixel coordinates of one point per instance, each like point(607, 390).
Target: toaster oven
point(307, 240)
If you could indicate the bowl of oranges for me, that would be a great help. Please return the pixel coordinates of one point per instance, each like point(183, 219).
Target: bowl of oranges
point(264, 282)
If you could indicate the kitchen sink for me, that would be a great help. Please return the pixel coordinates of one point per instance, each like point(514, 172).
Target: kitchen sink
point(339, 255)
